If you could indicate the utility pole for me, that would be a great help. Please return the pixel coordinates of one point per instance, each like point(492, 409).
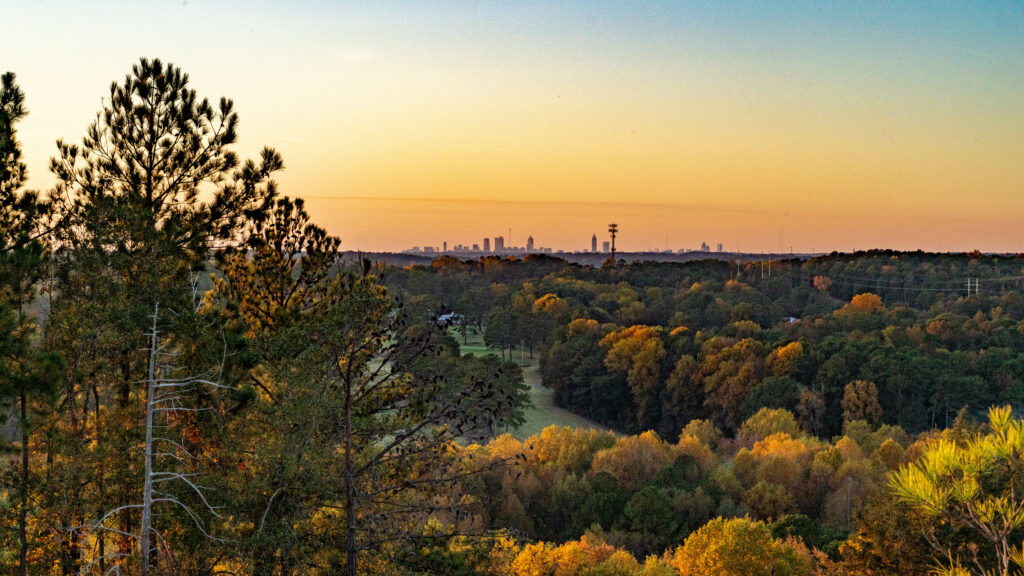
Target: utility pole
point(613, 229)
point(972, 287)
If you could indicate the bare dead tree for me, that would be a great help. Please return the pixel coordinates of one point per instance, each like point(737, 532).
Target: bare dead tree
point(167, 460)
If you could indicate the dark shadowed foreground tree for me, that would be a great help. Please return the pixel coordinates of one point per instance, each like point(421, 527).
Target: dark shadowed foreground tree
point(271, 290)
point(323, 449)
point(398, 433)
point(152, 188)
point(147, 157)
point(346, 451)
point(26, 369)
point(444, 363)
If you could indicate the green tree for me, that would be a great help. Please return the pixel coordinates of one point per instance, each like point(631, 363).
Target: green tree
point(152, 189)
point(26, 369)
point(972, 486)
point(501, 330)
point(474, 304)
point(574, 367)
point(350, 438)
point(286, 267)
point(271, 291)
point(396, 433)
point(772, 392)
point(147, 157)
point(650, 517)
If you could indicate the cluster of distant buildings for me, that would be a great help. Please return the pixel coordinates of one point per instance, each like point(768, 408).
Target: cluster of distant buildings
point(498, 247)
point(477, 249)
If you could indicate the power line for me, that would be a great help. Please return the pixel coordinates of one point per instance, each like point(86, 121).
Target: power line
point(897, 284)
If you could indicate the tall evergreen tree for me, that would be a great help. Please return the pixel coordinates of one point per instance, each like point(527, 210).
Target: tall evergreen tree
point(24, 365)
point(25, 368)
point(151, 191)
point(353, 449)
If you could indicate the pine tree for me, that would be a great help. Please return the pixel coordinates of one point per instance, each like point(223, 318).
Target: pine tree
point(353, 451)
point(26, 370)
point(971, 487)
point(152, 190)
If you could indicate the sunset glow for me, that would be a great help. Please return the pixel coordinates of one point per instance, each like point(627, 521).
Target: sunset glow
point(808, 127)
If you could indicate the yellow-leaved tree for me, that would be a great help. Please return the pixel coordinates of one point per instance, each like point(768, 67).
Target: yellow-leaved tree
point(739, 547)
point(971, 488)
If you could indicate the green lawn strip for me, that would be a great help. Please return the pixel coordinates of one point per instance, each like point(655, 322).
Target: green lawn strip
point(542, 412)
point(473, 344)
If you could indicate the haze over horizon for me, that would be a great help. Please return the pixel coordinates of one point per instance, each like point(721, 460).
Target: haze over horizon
point(393, 225)
point(847, 126)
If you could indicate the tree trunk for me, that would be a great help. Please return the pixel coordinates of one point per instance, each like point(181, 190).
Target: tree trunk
point(147, 490)
point(101, 535)
point(23, 509)
point(351, 555)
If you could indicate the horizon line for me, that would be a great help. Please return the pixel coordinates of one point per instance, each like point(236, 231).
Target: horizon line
point(482, 201)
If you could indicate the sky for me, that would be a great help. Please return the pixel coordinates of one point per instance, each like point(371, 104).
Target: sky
point(766, 126)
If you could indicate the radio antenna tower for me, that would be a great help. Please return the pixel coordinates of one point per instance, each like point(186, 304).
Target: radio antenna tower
point(613, 229)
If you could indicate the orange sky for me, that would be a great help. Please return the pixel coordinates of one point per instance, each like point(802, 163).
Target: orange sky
point(849, 126)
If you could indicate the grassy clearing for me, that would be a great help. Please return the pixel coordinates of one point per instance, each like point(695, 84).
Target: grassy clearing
point(474, 343)
point(542, 412)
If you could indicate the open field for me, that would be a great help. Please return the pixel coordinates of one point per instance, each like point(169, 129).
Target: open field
point(542, 412)
point(474, 343)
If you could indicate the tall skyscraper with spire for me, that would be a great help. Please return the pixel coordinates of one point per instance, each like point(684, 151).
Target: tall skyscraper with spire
point(593, 243)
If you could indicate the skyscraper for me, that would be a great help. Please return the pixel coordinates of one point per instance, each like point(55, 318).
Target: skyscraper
point(499, 243)
point(593, 243)
point(487, 244)
point(529, 244)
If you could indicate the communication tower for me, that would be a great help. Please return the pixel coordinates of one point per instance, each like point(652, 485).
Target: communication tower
point(613, 229)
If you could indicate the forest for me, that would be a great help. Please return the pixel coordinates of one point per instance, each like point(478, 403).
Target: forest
point(194, 381)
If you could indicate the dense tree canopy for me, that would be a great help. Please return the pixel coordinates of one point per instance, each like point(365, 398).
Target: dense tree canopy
point(823, 420)
point(319, 441)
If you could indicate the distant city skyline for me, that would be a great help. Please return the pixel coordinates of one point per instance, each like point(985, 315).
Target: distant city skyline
point(394, 225)
point(853, 125)
point(500, 248)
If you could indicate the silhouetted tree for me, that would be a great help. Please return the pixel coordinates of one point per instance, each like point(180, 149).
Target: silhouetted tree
point(25, 368)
